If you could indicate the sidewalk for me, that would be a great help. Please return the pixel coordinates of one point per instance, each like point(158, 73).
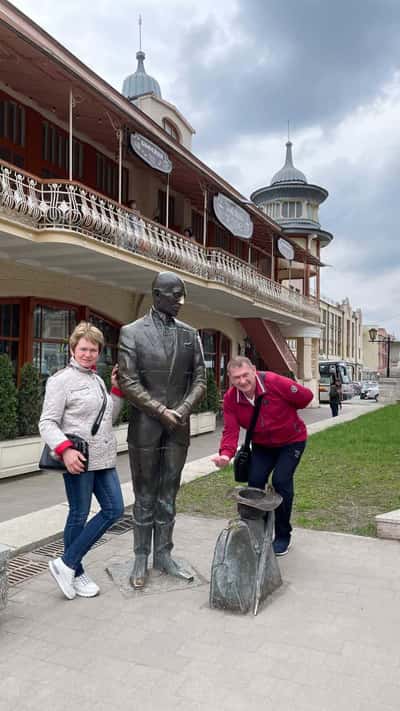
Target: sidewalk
point(23, 533)
point(326, 641)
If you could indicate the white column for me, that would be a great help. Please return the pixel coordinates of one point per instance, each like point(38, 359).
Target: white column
point(167, 205)
point(119, 135)
point(71, 103)
point(205, 218)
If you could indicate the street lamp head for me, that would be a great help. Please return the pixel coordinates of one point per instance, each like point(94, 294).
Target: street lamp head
point(373, 332)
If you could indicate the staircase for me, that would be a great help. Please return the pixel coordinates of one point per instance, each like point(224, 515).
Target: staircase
point(270, 345)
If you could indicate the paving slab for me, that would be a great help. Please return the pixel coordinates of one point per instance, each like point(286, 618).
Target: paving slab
point(327, 640)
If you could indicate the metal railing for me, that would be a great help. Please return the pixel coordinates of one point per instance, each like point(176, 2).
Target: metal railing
point(61, 204)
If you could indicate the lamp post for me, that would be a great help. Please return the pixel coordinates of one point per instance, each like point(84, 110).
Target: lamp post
point(374, 338)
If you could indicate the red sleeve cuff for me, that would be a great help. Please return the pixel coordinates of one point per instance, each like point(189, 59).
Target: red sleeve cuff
point(117, 392)
point(63, 446)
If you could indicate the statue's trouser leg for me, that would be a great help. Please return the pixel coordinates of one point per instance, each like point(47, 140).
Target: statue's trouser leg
point(142, 534)
point(173, 460)
point(145, 468)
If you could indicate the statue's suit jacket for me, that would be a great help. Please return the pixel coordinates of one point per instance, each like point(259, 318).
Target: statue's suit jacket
point(152, 380)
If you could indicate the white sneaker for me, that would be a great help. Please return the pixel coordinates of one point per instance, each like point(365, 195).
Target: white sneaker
point(64, 577)
point(85, 586)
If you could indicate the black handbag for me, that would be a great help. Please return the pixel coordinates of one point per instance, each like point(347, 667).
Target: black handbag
point(242, 459)
point(47, 461)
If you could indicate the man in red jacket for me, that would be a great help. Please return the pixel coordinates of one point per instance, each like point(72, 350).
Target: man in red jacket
point(279, 436)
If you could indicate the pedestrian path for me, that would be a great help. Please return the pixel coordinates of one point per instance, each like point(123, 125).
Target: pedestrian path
point(327, 640)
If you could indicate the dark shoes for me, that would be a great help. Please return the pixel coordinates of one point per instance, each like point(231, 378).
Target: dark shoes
point(139, 572)
point(281, 546)
point(164, 562)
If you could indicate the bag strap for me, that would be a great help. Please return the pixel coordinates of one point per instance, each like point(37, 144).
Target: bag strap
point(253, 421)
point(97, 422)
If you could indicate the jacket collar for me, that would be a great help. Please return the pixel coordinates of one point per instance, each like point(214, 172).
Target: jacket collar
point(76, 365)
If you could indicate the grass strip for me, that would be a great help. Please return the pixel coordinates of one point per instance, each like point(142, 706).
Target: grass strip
point(348, 474)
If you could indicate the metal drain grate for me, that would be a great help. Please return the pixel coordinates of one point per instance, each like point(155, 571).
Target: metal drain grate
point(21, 568)
point(122, 526)
point(56, 548)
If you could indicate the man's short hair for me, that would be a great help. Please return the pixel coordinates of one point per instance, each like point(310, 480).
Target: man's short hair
point(239, 362)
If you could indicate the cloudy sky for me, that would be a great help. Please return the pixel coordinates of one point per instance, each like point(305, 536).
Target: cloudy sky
point(239, 70)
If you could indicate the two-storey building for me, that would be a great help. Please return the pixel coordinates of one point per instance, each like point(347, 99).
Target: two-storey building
point(96, 189)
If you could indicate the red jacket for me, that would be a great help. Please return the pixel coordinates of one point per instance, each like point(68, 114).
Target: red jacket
point(278, 422)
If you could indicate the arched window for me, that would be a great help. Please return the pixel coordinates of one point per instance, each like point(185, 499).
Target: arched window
point(171, 129)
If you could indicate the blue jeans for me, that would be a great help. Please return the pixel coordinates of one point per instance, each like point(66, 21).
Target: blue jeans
point(283, 461)
point(79, 537)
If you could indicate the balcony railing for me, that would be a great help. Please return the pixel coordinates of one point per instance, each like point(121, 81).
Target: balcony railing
point(71, 206)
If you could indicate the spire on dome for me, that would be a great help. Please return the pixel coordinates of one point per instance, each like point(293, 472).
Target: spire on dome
point(289, 174)
point(140, 82)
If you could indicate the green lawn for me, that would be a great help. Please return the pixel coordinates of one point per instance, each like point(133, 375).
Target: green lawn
point(348, 474)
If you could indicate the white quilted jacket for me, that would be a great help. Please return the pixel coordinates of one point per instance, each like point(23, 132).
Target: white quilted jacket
point(72, 402)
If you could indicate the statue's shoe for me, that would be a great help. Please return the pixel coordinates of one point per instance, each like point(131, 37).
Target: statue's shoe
point(168, 565)
point(139, 572)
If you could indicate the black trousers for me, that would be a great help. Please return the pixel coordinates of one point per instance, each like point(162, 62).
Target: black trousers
point(156, 476)
point(282, 461)
point(334, 407)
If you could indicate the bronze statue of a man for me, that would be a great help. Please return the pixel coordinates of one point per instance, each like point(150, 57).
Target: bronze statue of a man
point(162, 374)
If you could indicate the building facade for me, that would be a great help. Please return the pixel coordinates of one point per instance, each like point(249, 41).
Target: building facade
point(342, 334)
point(377, 356)
point(96, 190)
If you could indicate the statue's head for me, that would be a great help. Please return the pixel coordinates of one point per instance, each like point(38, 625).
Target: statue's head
point(168, 293)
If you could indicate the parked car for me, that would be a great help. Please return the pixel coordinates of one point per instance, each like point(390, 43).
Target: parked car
point(356, 387)
point(373, 392)
point(365, 387)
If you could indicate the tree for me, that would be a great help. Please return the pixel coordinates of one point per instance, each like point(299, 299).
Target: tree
point(8, 400)
point(29, 401)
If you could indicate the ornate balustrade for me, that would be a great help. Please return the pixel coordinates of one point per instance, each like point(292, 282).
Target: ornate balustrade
point(69, 205)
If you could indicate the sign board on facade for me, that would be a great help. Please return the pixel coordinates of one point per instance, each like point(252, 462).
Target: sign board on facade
point(148, 151)
point(286, 249)
point(232, 216)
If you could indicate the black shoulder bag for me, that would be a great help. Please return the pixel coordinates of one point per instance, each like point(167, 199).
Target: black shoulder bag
point(47, 461)
point(242, 459)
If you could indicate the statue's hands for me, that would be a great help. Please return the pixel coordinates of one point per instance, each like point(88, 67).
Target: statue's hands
point(183, 412)
point(170, 419)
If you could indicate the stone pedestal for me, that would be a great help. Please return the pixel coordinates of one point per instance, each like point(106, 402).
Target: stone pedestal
point(4, 556)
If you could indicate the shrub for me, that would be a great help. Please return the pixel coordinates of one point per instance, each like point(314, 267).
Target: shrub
point(29, 401)
point(213, 395)
point(8, 400)
point(210, 400)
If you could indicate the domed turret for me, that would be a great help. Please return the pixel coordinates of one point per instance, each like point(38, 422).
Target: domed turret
point(140, 83)
point(292, 201)
point(288, 174)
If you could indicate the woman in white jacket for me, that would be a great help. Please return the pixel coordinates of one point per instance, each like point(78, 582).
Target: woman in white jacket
point(74, 397)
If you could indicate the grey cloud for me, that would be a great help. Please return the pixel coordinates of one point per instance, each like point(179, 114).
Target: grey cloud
point(309, 61)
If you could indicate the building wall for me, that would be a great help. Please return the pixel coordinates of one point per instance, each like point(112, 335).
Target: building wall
point(118, 305)
point(158, 110)
point(342, 336)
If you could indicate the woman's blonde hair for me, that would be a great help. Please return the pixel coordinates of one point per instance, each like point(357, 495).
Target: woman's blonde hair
point(84, 329)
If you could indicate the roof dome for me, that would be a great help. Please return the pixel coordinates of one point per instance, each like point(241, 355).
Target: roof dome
point(288, 174)
point(140, 83)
